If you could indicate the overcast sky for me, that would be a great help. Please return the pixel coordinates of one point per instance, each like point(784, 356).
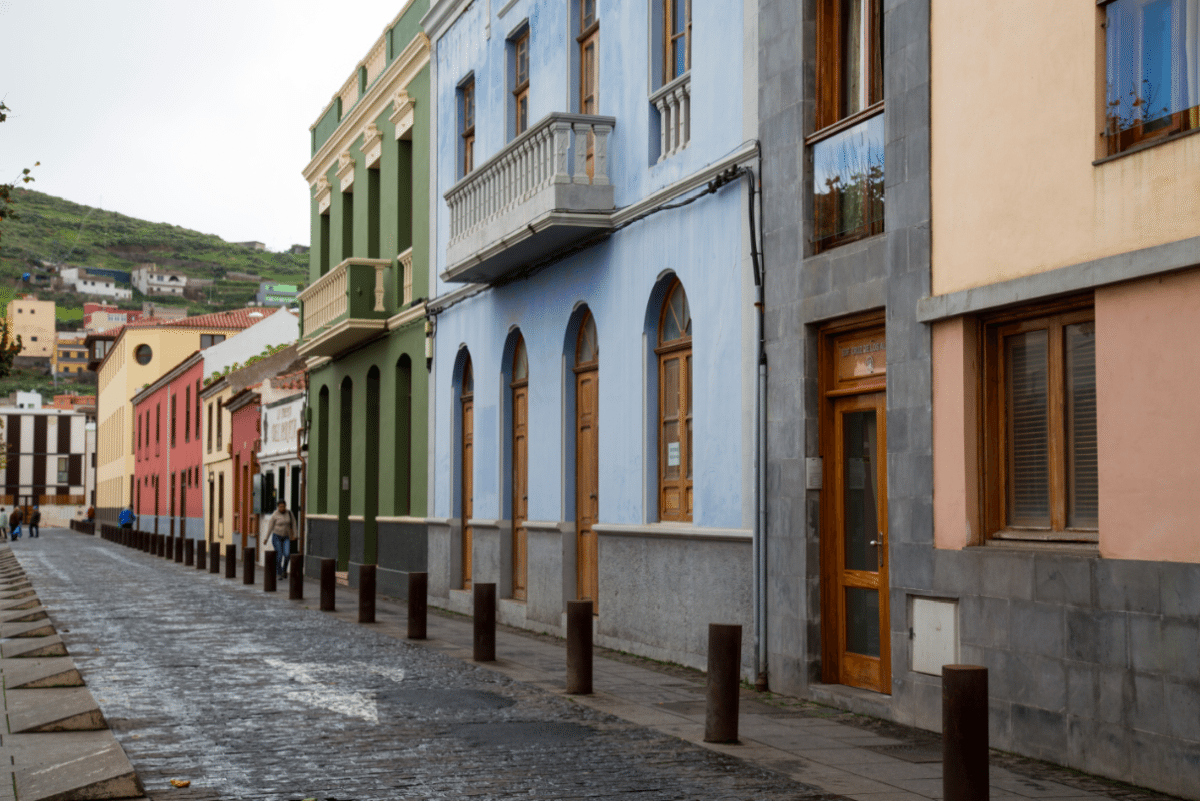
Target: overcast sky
point(191, 113)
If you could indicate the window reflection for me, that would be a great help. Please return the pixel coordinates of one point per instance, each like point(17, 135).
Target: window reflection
point(848, 180)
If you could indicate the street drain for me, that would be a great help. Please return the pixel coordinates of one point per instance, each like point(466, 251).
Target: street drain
point(447, 700)
point(521, 733)
point(911, 753)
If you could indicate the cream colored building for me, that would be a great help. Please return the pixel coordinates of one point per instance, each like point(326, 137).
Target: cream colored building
point(218, 464)
point(33, 321)
point(138, 354)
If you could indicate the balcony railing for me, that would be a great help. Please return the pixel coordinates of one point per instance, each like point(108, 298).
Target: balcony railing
point(347, 305)
point(546, 188)
point(674, 104)
point(406, 272)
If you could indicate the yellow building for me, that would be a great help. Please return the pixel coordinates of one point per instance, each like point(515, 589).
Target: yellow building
point(128, 359)
point(33, 321)
point(218, 463)
point(70, 353)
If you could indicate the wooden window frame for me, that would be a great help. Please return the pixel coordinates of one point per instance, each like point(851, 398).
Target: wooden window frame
point(520, 90)
point(466, 123)
point(669, 37)
point(830, 55)
point(994, 488)
point(682, 349)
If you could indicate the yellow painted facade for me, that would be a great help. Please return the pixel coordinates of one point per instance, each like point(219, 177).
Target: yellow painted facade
point(33, 321)
point(218, 465)
point(1017, 111)
point(120, 377)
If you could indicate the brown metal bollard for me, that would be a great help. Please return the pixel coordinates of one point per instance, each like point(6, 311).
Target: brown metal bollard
point(269, 571)
point(179, 549)
point(964, 733)
point(328, 579)
point(418, 599)
point(214, 564)
point(168, 547)
point(724, 661)
point(189, 552)
point(247, 565)
point(485, 622)
point(201, 554)
point(366, 594)
point(296, 578)
point(231, 560)
point(579, 647)
point(160, 545)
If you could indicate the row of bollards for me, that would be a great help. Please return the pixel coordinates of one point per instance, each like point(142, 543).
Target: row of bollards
point(964, 687)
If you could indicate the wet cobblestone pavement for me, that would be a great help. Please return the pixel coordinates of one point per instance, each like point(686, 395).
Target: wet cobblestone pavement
point(255, 697)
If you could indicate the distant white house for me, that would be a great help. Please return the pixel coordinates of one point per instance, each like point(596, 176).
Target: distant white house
point(150, 280)
point(86, 283)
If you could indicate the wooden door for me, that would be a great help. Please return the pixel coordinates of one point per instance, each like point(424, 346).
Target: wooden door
point(860, 520)
point(468, 472)
point(520, 486)
point(587, 484)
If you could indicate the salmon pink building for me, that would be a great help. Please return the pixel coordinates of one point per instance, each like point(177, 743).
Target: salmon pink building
point(245, 439)
point(167, 455)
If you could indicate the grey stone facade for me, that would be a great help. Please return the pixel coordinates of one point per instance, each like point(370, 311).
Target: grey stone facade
point(1092, 662)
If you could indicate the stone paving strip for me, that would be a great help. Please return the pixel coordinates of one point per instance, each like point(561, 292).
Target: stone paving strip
point(56, 744)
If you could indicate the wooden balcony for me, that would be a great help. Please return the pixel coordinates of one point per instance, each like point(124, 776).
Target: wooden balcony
point(346, 307)
point(547, 189)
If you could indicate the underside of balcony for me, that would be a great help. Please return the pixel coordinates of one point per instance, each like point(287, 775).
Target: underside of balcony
point(546, 190)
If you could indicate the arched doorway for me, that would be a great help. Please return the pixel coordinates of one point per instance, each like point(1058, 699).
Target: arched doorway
point(467, 466)
point(519, 388)
point(587, 460)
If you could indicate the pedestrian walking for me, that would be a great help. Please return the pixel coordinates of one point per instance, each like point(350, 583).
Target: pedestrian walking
point(14, 521)
point(127, 518)
point(282, 528)
point(3, 524)
point(35, 519)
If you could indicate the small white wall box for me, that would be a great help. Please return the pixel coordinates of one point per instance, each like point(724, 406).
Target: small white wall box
point(934, 634)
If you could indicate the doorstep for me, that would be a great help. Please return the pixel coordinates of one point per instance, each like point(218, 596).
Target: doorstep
point(852, 699)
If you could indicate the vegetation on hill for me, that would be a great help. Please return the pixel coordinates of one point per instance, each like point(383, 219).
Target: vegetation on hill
point(51, 230)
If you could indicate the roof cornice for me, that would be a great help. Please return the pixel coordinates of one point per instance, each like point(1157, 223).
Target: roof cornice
point(398, 75)
point(441, 14)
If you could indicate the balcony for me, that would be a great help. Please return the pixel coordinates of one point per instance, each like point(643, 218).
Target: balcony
point(547, 189)
point(345, 307)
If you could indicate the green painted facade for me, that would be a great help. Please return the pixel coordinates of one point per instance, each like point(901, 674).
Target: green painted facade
point(369, 406)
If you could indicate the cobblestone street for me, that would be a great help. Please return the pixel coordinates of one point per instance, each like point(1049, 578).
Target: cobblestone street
point(246, 696)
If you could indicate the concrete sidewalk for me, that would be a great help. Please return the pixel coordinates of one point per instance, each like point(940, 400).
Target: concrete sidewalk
point(839, 752)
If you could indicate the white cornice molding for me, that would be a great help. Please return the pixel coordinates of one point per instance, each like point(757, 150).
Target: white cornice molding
point(323, 193)
point(402, 113)
point(345, 171)
point(372, 145)
point(441, 14)
point(399, 74)
point(407, 316)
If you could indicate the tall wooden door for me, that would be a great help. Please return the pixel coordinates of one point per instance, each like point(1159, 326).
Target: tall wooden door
point(587, 463)
point(468, 471)
point(854, 527)
point(520, 470)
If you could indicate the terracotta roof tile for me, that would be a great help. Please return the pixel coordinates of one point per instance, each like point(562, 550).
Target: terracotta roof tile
point(293, 380)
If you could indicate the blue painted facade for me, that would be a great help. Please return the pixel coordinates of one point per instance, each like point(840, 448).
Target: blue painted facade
point(694, 572)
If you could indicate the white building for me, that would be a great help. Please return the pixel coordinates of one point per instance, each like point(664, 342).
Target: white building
point(150, 280)
point(47, 458)
point(282, 399)
point(85, 283)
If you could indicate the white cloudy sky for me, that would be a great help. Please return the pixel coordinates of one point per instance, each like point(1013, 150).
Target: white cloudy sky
point(181, 111)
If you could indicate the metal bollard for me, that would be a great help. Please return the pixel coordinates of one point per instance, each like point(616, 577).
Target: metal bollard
point(160, 545)
point(247, 565)
point(189, 552)
point(964, 733)
point(214, 564)
point(269, 571)
point(201, 554)
point(328, 578)
point(485, 622)
point(179, 549)
point(579, 647)
point(296, 578)
point(724, 661)
point(168, 549)
point(366, 594)
point(231, 560)
point(418, 599)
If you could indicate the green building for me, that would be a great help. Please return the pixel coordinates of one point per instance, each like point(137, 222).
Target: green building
point(363, 325)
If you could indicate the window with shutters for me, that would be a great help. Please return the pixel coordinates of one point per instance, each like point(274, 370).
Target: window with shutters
point(1040, 396)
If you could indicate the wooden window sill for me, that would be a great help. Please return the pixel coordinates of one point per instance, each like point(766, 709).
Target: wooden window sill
point(844, 124)
point(1140, 146)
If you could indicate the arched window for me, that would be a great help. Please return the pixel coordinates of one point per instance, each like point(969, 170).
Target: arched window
point(675, 406)
point(519, 387)
point(403, 502)
point(371, 477)
point(322, 503)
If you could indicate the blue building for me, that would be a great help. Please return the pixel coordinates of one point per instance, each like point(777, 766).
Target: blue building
point(595, 377)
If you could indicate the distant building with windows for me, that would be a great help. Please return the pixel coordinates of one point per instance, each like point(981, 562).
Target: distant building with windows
point(47, 459)
point(88, 282)
point(150, 280)
point(99, 317)
point(33, 321)
point(276, 294)
point(71, 355)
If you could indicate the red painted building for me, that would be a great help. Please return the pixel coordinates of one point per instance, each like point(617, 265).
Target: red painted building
point(102, 317)
point(168, 463)
point(245, 424)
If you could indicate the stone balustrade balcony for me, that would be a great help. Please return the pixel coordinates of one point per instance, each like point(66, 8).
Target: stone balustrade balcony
point(346, 306)
point(547, 189)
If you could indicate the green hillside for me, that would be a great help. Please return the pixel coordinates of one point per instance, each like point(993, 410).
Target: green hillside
point(51, 230)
